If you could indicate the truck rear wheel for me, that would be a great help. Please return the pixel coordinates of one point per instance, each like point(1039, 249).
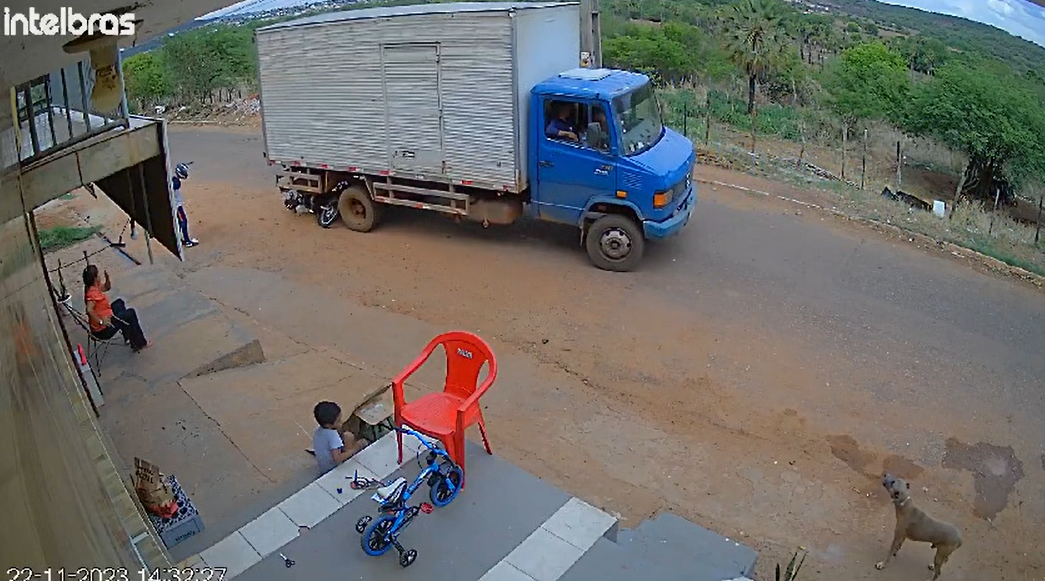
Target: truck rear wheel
point(358, 210)
point(615, 243)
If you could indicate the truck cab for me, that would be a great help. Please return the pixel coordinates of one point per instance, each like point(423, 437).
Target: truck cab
point(601, 159)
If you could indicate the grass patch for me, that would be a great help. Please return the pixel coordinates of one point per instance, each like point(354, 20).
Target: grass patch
point(986, 247)
point(61, 236)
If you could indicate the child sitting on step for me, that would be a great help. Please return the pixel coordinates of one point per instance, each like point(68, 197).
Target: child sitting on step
point(330, 445)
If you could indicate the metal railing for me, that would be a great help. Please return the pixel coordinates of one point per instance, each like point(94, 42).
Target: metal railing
point(55, 112)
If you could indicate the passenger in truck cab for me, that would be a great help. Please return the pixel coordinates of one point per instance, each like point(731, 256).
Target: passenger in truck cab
point(598, 135)
point(561, 126)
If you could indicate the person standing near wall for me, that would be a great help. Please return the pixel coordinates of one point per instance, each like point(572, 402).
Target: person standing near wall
point(181, 173)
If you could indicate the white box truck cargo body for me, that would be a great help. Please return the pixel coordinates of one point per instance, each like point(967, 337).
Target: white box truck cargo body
point(435, 92)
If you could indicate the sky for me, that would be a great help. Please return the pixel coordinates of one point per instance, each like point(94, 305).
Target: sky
point(1018, 17)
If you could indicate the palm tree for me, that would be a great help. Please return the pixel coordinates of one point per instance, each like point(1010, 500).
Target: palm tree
point(755, 39)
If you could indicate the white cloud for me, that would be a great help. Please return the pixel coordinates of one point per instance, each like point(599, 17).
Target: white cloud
point(1001, 7)
point(1018, 17)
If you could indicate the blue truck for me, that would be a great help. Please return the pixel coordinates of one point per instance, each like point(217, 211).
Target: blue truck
point(476, 110)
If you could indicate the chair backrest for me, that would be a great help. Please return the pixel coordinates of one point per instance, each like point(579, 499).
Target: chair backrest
point(465, 356)
point(79, 317)
point(83, 322)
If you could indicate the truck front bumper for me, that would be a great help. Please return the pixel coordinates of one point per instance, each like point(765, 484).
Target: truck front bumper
point(677, 221)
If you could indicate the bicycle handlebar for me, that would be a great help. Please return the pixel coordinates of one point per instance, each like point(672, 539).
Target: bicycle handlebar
point(420, 437)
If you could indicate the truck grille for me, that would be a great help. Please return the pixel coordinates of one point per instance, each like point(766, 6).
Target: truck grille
point(679, 190)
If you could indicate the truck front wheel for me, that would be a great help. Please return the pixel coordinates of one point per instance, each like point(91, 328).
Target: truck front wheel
point(358, 210)
point(615, 243)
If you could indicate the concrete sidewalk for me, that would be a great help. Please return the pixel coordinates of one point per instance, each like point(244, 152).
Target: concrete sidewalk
point(505, 525)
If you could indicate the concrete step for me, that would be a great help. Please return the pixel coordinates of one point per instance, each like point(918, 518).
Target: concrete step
point(190, 334)
point(667, 548)
point(500, 507)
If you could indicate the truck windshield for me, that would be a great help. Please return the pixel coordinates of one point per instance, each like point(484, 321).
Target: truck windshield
point(641, 126)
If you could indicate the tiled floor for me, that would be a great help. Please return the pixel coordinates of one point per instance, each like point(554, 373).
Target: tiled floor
point(506, 525)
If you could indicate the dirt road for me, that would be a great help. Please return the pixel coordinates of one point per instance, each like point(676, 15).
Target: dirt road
point(755, 376)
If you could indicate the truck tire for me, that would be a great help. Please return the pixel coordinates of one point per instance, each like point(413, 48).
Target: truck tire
point(615, 243)
point(358, 210)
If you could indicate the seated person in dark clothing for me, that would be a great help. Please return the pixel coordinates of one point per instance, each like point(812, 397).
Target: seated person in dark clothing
point(560, 127)
point(600, 137)
point(108, 319)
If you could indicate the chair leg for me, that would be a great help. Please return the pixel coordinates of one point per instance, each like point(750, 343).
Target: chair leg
point(482, 430)
point(455, 448)
point(399, 443)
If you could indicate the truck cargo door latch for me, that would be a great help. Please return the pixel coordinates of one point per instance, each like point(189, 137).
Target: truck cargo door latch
point(406, 153)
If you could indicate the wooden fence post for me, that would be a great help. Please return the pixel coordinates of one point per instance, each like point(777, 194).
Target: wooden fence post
point(1037, 231)
point(845, 143)
point(707, 120)
point(863, 163)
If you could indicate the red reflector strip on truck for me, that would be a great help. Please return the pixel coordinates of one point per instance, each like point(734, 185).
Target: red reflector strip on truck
point(384, 172)
point(353, 169)
point(324, 166)
point(467, 182)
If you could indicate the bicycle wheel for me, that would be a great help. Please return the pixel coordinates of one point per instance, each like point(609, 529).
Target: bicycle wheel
point(445, 490)
point(377, 539)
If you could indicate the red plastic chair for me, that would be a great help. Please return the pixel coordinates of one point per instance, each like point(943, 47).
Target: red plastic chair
point(447, 414)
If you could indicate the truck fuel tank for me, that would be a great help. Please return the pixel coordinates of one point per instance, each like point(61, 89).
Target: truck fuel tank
point(501, 211)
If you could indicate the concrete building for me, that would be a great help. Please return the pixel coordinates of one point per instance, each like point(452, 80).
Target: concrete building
point(61, 496)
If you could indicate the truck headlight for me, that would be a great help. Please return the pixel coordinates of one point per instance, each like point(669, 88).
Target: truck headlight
point(661, 199)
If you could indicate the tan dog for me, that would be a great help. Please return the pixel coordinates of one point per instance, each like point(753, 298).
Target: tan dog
point(912, 523)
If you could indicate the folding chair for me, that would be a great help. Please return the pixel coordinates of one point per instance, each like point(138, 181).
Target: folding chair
point(96, 348)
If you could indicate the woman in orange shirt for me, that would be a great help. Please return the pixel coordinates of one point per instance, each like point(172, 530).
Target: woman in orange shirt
point(106, 319)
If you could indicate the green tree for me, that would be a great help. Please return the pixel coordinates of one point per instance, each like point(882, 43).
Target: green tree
point(146, 79)
point(755, 40)
point(657, 51)
point(868, 82)
point(999, 130)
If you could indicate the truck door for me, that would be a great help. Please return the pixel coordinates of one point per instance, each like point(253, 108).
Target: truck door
point(413, 107)
point(570, 170)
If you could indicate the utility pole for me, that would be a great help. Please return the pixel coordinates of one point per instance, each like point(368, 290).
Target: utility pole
point(591, 34)
point(596, 33)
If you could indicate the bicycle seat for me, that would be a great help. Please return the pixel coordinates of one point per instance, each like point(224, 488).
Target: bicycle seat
point(392, 495)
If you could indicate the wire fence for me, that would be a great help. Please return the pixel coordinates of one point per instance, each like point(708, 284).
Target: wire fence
point(807, 146)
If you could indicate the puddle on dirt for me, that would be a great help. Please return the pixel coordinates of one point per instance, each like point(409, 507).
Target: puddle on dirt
point(846, 449)
point(902, 467)
point(995, 470)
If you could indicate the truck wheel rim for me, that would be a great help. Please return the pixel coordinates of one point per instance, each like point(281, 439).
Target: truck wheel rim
point(358, 209)
point(615, 244)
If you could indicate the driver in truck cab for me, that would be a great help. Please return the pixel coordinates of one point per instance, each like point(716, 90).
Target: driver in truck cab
point(561, 127)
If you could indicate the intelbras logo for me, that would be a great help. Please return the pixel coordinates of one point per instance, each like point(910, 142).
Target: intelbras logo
point(66, 22)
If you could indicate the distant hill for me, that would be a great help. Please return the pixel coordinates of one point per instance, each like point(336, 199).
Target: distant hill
point(958, 33)
point(157, 40)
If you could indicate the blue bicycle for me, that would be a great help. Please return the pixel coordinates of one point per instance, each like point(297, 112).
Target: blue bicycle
point(444, 478)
